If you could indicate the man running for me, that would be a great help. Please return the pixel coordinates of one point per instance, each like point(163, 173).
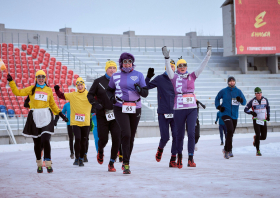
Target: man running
point(222, 126)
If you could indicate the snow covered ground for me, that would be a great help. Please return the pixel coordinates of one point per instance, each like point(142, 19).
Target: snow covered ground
point(244, 175)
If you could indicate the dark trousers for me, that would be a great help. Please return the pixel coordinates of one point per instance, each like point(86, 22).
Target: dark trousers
point(261, 133)
point(104, 127)
point(80, 140)
point(164, 132)
point(223, 130)
point(120, 150)
point(230, 125)
point(71, 138)
point(128, 123)
point(197, 130)
point(43, 141)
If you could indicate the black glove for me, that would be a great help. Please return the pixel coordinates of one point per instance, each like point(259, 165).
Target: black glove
point(9, 78)
point(216, 122)
point(150, 73)
point(254, 113)
point(239, 99)
point(220, 108)
point(56, 87)
point(137, 87)
point(98, 106)
point(63, 117)
point(56, 119)
point(268, 117)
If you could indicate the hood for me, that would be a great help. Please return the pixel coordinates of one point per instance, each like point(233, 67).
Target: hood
point(126, 55)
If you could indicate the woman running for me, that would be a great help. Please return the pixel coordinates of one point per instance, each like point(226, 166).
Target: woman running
point(124, 90)
point(185, 102)
point(66, 110)
point(40, 122)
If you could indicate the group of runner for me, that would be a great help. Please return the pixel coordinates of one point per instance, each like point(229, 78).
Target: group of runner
point(115, 101)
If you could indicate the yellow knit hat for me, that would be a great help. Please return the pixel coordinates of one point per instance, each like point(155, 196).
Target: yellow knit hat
point(172, 62)
point(80, 80)
point(40, 72)
point(110, 63)
point(181, 61)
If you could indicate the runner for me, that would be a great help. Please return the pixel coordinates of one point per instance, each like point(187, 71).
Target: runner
point(94, 130)
point(79, 118)
point(232, 98)
point(90, 128)
point(261, 114)
point(165, 98)
point(40, 123)
point(184, 103)
point(105, 116)
point(222, 126)
point(66, 109)
point(124, 90)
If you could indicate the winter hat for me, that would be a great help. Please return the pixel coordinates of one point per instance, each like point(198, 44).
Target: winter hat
point(230, 79)
point(257, 89)
point(80, 80)
point(181, 61)
point(110, 63)
point(172, 62)
point(40, 72)
point(126, 55)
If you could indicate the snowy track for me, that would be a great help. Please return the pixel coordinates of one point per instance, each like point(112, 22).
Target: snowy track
point(244, 175)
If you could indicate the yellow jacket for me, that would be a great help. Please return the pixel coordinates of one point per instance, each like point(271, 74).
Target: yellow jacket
point(36, 104)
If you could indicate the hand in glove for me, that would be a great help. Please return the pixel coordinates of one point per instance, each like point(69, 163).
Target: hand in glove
point(56, 119)
point(268, 117)
point(165, 52)
point(216, 122)
point(137, 87)
point(150, 73)
point(254, 113)
point(98, 106)
point(9, 78)
point(220, 108)
point(56, 87)
point(63, 117)
point(239, 99)
point(209, 50)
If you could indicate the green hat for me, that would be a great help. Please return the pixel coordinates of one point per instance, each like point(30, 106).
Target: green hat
point(257, 89)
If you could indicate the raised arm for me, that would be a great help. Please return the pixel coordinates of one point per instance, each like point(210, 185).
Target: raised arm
point(169, 71)
point(203, 63)
point(59, 93)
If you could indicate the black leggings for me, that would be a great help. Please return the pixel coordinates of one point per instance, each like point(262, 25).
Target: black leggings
point(40, 143)
point(261, 133)
point(120, 149)
point(104, 127)
point(70, 135)
point(231, 125)
point(80, 140)
point(87, 141)
point(197, 131)
point(128, 123)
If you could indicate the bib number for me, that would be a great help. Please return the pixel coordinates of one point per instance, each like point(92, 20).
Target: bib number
point(80, 117)
point(234, 101)
point(260, 122)
point(168, 115)
point(188, 99)
point(110, 115)
point(39, 95)
point(128, 107)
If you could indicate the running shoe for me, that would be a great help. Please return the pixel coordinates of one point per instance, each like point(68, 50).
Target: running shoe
point(172, 164)
point(49, 169)
point(100, 158)
point(258, 153)
point(122, 166)
point(126, 169)
point(222, 143)
point(81, 162)
point(40, 169)
point(72, 156)
point(179, 161)
point(85, 158)
point(230, 154)
point(111, 168)
point(159, 154)
point(120, 158)
point(191, 163)
point(254, 140)
point(226, 156)
point(76, 162)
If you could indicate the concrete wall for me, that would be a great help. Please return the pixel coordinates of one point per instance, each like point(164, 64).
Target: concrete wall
point(228, 30)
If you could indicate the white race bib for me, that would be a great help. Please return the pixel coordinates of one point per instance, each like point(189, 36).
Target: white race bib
point(110, 115)
point(168, 115)
point(188, 99)
point(129, 107)
point(80, 117)
point(40, 95)
point(260, 122)
point(234, 101)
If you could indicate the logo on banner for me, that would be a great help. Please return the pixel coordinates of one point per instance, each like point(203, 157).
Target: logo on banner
point(134, 78)
point(279, 2)
point(241, 48)
point(259, 20)
point(240, 1)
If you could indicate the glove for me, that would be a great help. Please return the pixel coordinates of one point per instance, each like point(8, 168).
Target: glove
point(150, 73)
point(239, 99)
point(9, 78)
point(268, 117)
point(209, 50)
point(216, 122)
point(98, 106)
point(63, 116)
point(137, 87)
point(165, 52)
point(56, 119)
point(220, 108)
point(254, 113)
point(56, 87)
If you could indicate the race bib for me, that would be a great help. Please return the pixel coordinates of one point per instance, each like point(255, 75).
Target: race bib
point(188, 99)
point(168, 115)
point(260, 122)
point(109, 115)
point(80, 117)
point(129, 107)
point(234, 101)
point(39, 95)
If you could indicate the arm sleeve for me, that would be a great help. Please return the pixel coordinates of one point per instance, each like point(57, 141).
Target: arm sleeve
point(248, 107)
point(60, 94)
point(64, 109)
point(268, 108)
point(218, 97)
point(243, 97)
point(20, 92)
point(144, 91)
point(169, 71)
point(92, 92)
point(110, 93)
point(26, 102)
point(202, 65)
point(53, 105)
point(217, 118)
point(152, 84)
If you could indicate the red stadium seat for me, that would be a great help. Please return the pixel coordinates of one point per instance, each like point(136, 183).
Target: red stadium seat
point(69, 82)
point(18, 66)
point(23, 47)
point(64, 72)
point(30, 46)
point(4, 52)
point(20, 86)
point(47, 55)
point(23, 54)
point(18, 81)
point(40, 59)
point(76, 76)
point(36, 46)
point(62, 81)
point(17, 61)
point(5, 94)
point(24, 80)
point(29, 51)
point(25, 112)
point(56, 81)
point(32, 76)
point(34, 55)
point(45, 70)
point(26, 85)
point(8, 102)
point(17, 53)
point(36, 62)
point(57, 71)
point(50, 75)
point(11, 45)
point(66, 90)
point(65, 86)
point(72, 90)
point(31, 80)
point(52, 63)
point(31, 71)
point(51, 67)
point(58, 63)
point(11, 61)
point(42, 51)
point(25, 76)
point(10, 53)
point(13, 75)
point(63, 76)
point(18, 70)
point(43, 67)
point(37, 67)
point(24, 62)
point(53, 59)
point(36, 51)
point(41, 55)
point(57, 76)
point(69, 76)
point(12, 97)
point(46, 63)
point(58, 67)
point(12, 70)
point(50, 81)
point(9, 107)
point(10, 49)
point(4, 45)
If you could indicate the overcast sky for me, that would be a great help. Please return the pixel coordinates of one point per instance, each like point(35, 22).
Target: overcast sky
point(145, 17)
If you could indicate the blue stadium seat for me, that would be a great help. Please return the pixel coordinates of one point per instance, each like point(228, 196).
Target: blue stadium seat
point(11, 113)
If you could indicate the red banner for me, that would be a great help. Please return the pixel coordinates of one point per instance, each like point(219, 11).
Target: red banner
point(257, 26)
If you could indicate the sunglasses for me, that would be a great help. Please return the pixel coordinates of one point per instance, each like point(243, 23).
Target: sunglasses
point(182, 65)
point(258, 92)
point(80, 82)
point(41, 77)
point(127, 61)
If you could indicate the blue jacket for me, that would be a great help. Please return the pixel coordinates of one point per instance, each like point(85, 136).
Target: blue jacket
point(66, 108)
point(229, 95)
point(165, 93)
point(219, 117)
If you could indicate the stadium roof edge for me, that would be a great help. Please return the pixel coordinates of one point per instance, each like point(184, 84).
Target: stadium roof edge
point(227, 2)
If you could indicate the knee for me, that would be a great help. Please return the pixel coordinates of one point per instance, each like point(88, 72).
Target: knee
point(165, 139)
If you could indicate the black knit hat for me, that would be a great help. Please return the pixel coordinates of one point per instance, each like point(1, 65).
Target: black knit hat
point(230, 79)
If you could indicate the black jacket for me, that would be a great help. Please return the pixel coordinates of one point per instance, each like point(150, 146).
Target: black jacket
point(97, 94)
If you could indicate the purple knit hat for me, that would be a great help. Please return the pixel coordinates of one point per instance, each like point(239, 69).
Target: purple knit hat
point(126, 55)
